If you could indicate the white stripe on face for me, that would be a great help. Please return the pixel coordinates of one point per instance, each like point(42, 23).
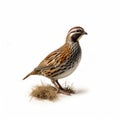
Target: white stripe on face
point(76, 29)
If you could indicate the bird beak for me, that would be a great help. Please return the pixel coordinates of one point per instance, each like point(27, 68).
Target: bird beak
point(85, 33)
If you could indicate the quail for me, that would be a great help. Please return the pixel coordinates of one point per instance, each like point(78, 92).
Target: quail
point(63, 61)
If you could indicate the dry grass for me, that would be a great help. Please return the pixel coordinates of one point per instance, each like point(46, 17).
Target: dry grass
point(47, 92)
point(44, 92)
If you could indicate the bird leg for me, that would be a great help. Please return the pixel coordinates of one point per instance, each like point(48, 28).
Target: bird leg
point(57, 85)
point(60, 88)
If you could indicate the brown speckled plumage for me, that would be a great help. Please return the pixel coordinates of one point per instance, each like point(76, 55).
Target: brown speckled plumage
point(63, 61)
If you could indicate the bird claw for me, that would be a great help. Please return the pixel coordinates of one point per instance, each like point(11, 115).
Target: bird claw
point(63, 91)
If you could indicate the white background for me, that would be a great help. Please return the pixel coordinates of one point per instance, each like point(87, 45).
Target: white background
point(30, 29)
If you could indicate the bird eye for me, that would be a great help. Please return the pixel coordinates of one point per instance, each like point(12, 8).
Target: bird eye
point(78, 30)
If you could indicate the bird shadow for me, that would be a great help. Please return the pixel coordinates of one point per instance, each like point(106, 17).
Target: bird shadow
point(81, 91)
point(74, 90)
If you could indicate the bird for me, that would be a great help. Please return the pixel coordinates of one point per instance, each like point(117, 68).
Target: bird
point(63, 61)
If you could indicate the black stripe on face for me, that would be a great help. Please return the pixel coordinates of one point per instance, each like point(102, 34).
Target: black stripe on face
point(75, 36)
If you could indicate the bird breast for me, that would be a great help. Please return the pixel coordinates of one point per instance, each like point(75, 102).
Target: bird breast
point(71, 63)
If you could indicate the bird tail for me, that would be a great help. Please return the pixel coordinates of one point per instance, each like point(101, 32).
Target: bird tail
point(31, 73)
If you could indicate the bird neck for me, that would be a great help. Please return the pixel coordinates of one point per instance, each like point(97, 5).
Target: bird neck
point(73, 45)
point(70, 41)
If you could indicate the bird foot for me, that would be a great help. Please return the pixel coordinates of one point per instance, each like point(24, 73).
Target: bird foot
point(65, 91)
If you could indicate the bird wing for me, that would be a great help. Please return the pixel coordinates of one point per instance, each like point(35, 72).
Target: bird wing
point(54, 59)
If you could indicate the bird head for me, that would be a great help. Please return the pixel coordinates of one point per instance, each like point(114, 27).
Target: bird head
point(75, 33)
